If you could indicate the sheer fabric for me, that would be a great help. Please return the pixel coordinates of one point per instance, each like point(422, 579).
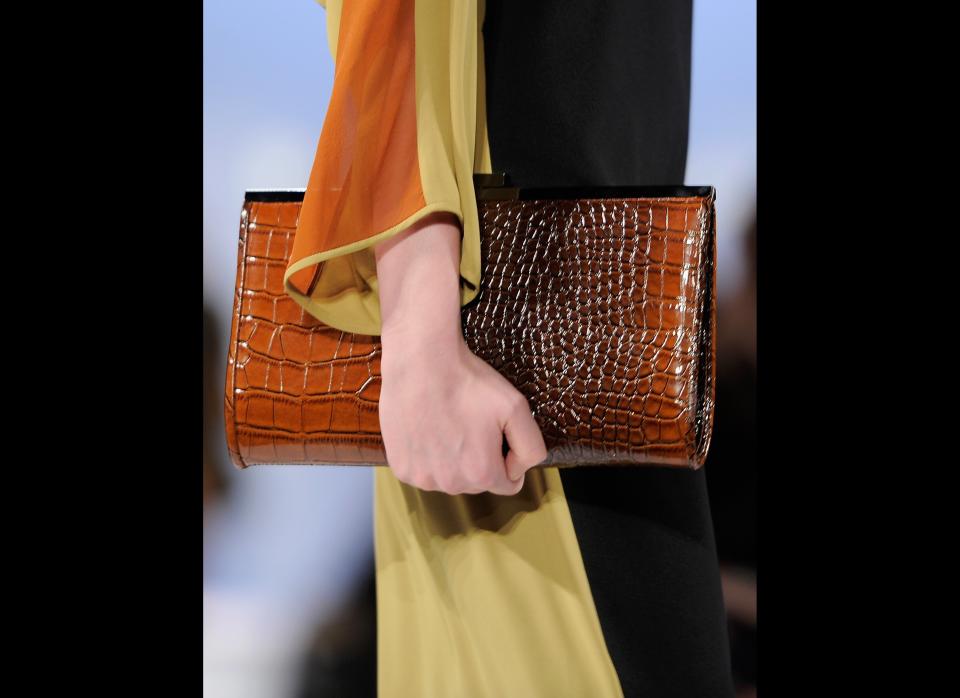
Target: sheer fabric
point(400, 141)
point(477, 595)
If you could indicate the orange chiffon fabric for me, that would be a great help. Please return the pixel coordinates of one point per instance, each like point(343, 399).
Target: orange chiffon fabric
point(365, 177)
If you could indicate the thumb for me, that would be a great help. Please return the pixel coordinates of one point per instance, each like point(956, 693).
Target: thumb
point(526, 442)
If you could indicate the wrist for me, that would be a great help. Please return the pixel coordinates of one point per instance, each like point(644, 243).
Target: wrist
point(419, 290)
point(421, 343)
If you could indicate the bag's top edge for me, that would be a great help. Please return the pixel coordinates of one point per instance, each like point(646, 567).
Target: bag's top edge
point(615, 192)
point(274, 195)
point(537, 193)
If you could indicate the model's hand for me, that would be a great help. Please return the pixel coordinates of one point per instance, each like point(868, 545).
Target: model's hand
point(443, 410)
point(443, 414)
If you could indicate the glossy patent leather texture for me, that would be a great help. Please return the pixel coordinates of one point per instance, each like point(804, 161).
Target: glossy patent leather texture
point(598, 304)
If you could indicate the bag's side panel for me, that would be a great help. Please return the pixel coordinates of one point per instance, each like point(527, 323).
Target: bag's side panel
point(705, 378)
point(229, 410)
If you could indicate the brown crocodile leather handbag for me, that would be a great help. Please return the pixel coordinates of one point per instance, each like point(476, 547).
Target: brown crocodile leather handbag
point(598, 304)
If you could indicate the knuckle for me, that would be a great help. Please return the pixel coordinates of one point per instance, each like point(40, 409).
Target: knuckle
point(424, 483)
point(400, 471)
point(521, 408)
point(475, 476)
point(518, 402)
point(446, 482)
point(411, 476)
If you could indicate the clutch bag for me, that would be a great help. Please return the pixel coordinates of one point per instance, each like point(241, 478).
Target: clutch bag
point(597, 303)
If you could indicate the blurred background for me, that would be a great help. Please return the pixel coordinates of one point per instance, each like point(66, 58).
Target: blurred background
point(288, 587)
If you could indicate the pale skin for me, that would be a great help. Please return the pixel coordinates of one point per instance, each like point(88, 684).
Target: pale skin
point(443, 410)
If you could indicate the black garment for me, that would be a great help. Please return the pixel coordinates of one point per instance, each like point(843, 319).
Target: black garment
point(598, 93)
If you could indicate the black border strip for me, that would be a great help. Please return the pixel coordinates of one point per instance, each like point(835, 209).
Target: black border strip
point(274, 195)
point(537, 193)
point(614, 192)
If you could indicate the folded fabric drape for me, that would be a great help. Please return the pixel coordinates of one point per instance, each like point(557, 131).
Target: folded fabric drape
point(477, 595)
point(400, 141)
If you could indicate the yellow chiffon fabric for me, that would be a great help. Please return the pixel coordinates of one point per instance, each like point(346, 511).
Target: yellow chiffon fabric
point(450, 133)
point(477, 595)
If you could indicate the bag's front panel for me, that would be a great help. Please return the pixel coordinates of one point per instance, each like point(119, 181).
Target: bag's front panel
point(598, 311)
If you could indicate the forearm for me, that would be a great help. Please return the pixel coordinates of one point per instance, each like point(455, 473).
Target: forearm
point(443, 410)
point(418, 273)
